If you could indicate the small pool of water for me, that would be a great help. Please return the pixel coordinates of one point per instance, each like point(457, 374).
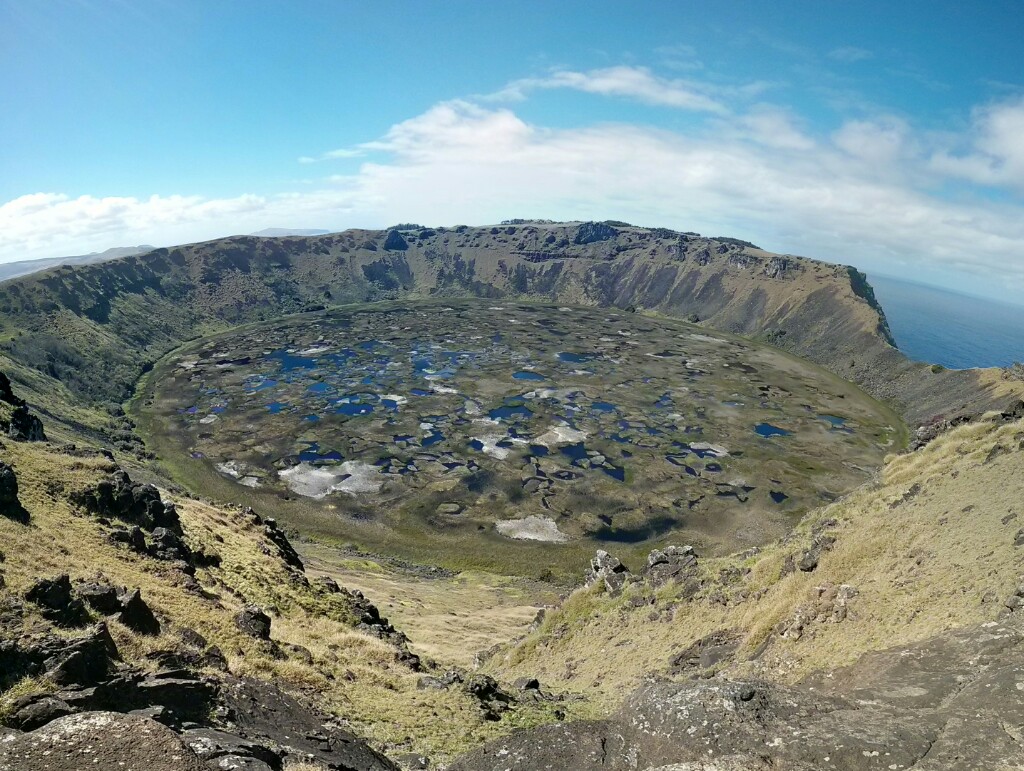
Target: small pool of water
point(768, 430)
point(507, 412)
point(574, 358)
point(525, 374)
point(351, 408)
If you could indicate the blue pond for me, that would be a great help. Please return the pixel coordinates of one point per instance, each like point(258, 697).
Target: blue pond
point(262, 385)
point(768, 430)
point(525, 374)
point(354, 409)
point(506, 412)
point(433, 438)
point(836, 423)
point(291, 362)
point(312, 454)
point(574, 358)
point(575, 451)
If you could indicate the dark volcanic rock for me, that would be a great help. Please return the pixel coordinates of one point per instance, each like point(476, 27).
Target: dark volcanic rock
point(220, 750)
point(705, 654)
point(589, 232)
point(25, 426)
point(54, 598)
point(810, 558)
point(395, 242)
point(133, 538)
point(99, 740)
point(136, 614)
point(120, 498)
point(284, 547)
point(672, 562)
point(100, 597)
point(166, 545)
point(494, 702)
point(35, 711)
point(7, 392)
point(262, 714)
point(254, 622)
point(85, 661)
point(10, 506)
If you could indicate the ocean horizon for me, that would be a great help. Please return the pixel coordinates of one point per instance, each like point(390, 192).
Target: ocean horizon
point(944, 327)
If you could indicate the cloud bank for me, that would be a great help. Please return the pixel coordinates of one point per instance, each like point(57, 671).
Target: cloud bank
point(874, 192)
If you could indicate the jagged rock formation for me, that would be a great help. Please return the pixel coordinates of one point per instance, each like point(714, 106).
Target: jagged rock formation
point(950, 702)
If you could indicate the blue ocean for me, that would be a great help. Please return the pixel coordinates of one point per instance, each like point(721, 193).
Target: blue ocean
point(948, 328)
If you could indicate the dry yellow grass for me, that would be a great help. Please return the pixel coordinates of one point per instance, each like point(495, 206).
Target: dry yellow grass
point(923, 559)
point(447, 619)
point(354, 675)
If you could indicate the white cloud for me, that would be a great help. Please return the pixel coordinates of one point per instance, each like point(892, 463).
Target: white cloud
point(772, 127)
point(857, 196)
point(333, 155)
point(996, 153)
point(637, 83)
point(883, 142)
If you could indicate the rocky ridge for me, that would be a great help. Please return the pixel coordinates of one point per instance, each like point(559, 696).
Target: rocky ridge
point(127, 312)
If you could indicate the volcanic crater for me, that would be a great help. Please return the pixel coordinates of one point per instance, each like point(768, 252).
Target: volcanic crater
point(510, 435)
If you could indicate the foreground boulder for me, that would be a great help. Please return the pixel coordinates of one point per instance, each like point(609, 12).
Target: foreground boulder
point(261, 715)
point(951, 702)
point(99, 740)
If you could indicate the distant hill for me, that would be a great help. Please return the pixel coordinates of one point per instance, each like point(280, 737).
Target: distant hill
point(279, 232)
point(25, 267)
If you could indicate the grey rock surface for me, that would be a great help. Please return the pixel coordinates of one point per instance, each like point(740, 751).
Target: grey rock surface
point(99, 740)
point(955, 701)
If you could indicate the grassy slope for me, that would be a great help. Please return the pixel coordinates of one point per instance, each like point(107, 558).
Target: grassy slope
point(922, 562)
point(353, 674)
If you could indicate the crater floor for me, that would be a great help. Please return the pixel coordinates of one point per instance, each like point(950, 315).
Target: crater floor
point(510, 435)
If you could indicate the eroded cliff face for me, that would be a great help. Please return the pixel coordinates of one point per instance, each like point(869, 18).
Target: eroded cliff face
point(91, 330)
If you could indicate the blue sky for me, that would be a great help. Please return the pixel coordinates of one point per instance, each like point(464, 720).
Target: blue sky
point(886, 135)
